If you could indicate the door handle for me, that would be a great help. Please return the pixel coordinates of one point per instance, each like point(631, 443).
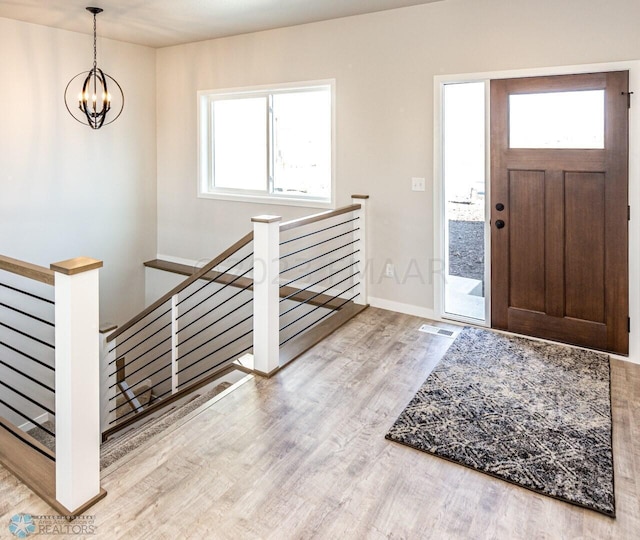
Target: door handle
point(499, 224)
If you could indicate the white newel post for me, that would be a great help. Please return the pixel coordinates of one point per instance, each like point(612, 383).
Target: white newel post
point(266, 298)
point(77, 382)
point(363, 256)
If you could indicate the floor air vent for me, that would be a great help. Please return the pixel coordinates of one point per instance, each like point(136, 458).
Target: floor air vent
point(438, 331)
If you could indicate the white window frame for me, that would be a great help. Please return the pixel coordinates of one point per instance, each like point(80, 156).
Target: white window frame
point(206, 188)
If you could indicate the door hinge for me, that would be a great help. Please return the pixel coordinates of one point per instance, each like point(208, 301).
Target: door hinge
point(628, 94)
point(629, 324)
point(628, 213)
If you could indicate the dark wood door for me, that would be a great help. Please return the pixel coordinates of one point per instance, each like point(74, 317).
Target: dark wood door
point(559, 248)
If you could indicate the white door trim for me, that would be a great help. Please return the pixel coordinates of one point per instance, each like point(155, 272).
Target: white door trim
point(633, 67)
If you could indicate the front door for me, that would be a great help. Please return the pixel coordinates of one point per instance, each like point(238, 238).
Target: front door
point(559, 222)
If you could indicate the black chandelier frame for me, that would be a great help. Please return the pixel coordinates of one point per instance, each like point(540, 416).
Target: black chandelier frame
point(88, 100)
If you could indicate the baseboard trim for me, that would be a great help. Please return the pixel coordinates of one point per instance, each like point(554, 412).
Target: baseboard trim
point(28, 426)
point(399, 307)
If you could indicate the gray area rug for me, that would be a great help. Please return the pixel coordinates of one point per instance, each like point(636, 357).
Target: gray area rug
point(530, 413)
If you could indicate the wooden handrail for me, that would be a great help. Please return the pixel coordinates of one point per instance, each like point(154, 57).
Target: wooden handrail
point(28, 270)
point(179, 288)
point(294, 223)
point(292, 293)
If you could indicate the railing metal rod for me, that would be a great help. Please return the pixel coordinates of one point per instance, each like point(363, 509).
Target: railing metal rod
point(43, 321)
point(318, 231)
point(27, 376)
point(234, 355)
point(318, 307)
point(118, 344)
point(214, 322)
point(28, 443)
point(286, 284)
point(219, 290)
point(298, 291)
point(141, 368)
point(138, 358)
point(27, 293)
point(211, 339)
point(318, 243)
point(319, 256)
point(316, 295)
point(27, 418)
point(218, 349)
point(158, 398)
point(214, 280)
point(317, 321)
point(43, 364)
point(27, 335)
point(28, 398)
point(120, 356)
point(133, 386)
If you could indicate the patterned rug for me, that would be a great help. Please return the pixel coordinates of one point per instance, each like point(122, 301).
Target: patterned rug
point(530, 413)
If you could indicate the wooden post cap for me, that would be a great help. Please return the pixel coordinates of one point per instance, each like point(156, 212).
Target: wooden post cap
point(76, 266)
point(356, 196)
point(266, 219)
point(107, 327)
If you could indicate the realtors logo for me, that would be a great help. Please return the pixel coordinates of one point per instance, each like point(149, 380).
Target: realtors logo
point(25, 525)
point(22, 525)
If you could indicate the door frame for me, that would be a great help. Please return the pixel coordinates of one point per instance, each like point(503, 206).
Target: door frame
point(439, 240)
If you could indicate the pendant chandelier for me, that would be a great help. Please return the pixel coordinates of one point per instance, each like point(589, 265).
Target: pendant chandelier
point(95, 101)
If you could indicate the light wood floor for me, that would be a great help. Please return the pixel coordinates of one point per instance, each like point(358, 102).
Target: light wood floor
point(303, 455)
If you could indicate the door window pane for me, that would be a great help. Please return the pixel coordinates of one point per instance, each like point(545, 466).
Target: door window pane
point(240, 143)
point(557, 120)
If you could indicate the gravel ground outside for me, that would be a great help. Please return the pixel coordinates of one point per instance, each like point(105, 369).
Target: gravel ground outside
point(466, 239)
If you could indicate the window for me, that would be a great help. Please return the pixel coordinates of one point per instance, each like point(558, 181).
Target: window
point(557, 120)
point(271, 145)
point(464, 155)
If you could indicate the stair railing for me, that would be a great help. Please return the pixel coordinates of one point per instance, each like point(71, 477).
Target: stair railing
point(49, 362)
point(250, 301)
point(183, 341)
point(313, 287)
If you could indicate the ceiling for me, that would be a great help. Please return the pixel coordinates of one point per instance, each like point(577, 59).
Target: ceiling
point(161, 23)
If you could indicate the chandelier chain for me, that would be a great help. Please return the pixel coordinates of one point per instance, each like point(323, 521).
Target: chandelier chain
point(95, 47)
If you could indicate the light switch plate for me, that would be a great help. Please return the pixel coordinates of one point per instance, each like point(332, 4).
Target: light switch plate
point(417, 184)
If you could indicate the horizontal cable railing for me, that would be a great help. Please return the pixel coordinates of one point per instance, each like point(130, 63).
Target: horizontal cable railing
point(189, 336)
point(27, 350)
point(320, 258)
point(313, 280)
point(49, 379)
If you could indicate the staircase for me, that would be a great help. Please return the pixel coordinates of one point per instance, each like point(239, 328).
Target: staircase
point(265, 300)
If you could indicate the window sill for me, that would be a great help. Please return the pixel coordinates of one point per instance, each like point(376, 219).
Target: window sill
point(266, 199)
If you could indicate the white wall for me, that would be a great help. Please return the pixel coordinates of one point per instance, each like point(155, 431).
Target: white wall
point(384, 64)
point(66, 190)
